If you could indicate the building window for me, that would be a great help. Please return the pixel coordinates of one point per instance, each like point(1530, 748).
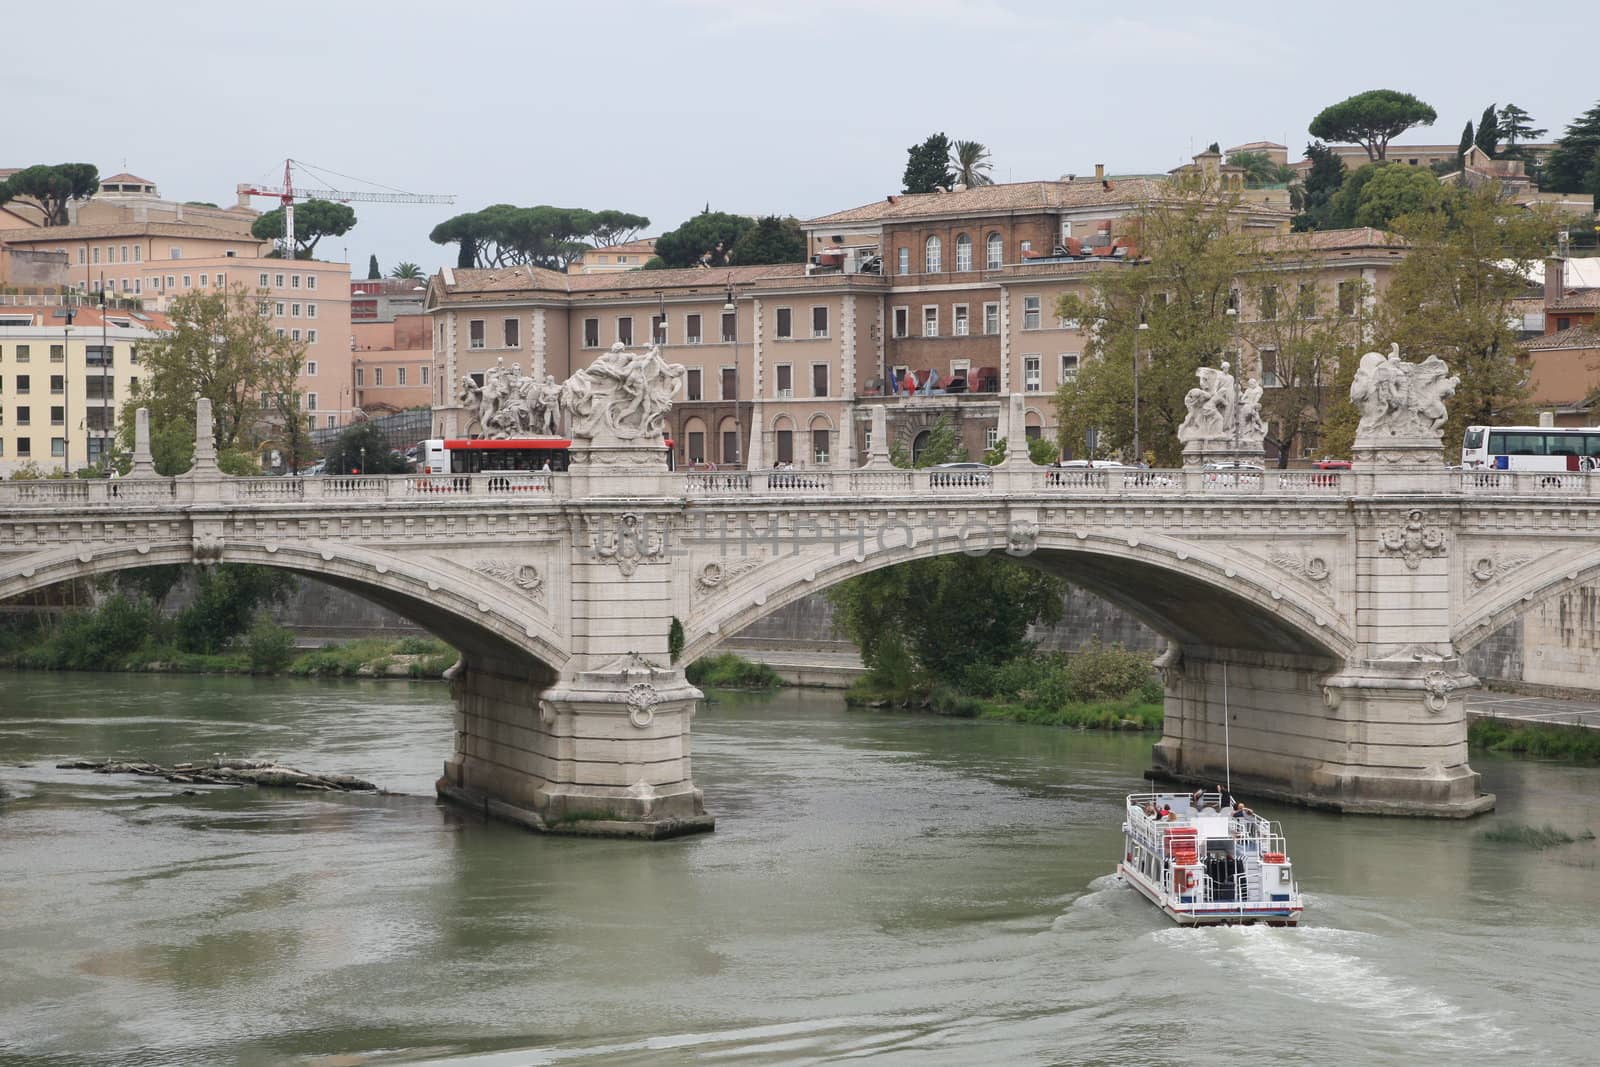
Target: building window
point(138, 254)
point(174, 252)
point(694, 390)
point(311, 401)
point(24, 384)
point(24, 416)
point(819, 379)
point(311, 336)
point(1025, 247)
point(399, 376)
point(58, 384)
point(591, 333)
point(96, 253)
point(171, 281)
point(819, 446)
point(1030, 374)
point(959, 319)
point(1306, 302)
point(902, 322)
point(819, 322)
point(361, 376)
point(1069, 367)
point(963, 252)
point(58, 353)
point(311, 368)
point(58, 415)
point(930, 321)
point(784, 379)
point(311, 281)
point(785, 440)
point(333, 420)
point(625, 329)
point(1347, 298)
point(58, 446)
point(658, 329)
point(785, 327)
point(697, 446)
point(1269, 368)
point(513, 339)
point(278, 308)
point(277, 281)
point(294, 311)
point(991, 318)
point(294, 281)
point(377, 376)
point(294, 335)
point(730, 327)
point(424, 375)
point(188, 281)
point(311, 310)
point(904, 261)
point(474, 334)
point(1269, 303)
point(730, 383)
point(1563, 322)
point(991, 438)
point(1030, 313)
point(204, 280)
point(691, 329)
point(22, 354)
point(932, 255)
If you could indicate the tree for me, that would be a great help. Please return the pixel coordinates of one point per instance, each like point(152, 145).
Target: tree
point(1322, 181)
point(221, 347)
point(373, 272)
point(1341, 213)
point(503, 235)
point(407, 269)
point(928, 165)
point(313, 220)
point(290, 430)
point(1488, 139)
point(612, 227)
point(1397, 190)
point(1192, 254)
point(1371, 119)
point(1516, 128)
point(706, 240)
point(49, 188)
point(362, 449)
point(970, 162)
point(1571, 167)
point(225, 603)
point(1259, 169)
point(1465, 145)
point(771, 240)
point(1453, 294)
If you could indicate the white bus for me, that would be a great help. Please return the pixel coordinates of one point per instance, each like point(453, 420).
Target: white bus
point(1531, 448)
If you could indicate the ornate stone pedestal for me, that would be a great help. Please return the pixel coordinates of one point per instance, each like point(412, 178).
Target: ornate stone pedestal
point(603, 753)
point(1200, 451)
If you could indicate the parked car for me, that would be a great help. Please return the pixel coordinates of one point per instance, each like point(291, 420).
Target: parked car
point(1234, 473)
point(1329, 481)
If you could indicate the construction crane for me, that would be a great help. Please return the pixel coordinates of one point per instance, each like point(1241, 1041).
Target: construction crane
point(287, 194)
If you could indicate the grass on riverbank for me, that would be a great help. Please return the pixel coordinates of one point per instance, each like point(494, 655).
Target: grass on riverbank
point(728, 671)
point(266, 650)
point(1539, 837)
point(1100, 688)
point(1541, 740)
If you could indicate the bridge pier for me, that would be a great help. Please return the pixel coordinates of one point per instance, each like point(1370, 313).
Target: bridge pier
point(604, 753)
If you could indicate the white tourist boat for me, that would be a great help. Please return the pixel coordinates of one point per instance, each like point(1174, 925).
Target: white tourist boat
point(1206, 863)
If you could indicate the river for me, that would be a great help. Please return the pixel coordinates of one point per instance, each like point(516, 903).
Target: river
point(906, 889)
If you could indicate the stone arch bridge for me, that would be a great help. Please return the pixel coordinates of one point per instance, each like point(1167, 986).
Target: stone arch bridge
point(1326, 611)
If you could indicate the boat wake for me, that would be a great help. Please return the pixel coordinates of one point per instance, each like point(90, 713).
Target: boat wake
point(1327, 970)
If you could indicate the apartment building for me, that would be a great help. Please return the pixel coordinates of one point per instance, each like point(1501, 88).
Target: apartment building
point(63, 382)
point(631, 255)
point(786, 362)
point(391, 356)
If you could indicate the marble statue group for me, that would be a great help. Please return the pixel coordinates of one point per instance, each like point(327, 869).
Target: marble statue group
point(1400, 399)
point(1218, 410)
point(623, 395)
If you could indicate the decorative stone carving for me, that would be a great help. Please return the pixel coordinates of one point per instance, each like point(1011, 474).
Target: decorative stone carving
point(642, 701)
point(628, 544)
point(1220, 413)
point(1437, 687)
point(510, 403)
point(1399, 399)
point(207, 547)
point(1310, 567)
point(623, 395)
point(714, 574)
point(525, 576)
point(1413, 540)
point(1022, 538)
point(1496, 565)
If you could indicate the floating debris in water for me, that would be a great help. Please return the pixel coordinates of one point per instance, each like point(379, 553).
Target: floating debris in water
point(228, 772)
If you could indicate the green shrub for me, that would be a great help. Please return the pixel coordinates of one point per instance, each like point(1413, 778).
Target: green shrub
point(97, 640)
point(728, 671)
point(1541, 740)
point(422, 646)
point(1540, 837)
point(1106, 673)
point(269, 647)
point(946, 701)
point(674, 640)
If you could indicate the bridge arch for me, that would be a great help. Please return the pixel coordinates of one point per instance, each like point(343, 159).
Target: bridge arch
point(483, 623)
point(1521, 593)
point(1184, 592)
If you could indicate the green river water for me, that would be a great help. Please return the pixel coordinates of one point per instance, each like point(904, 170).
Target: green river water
point(888, 887)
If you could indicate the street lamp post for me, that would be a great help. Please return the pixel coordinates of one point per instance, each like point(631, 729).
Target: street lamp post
point(1233, 336)
point(363, 459)
point(105, 360)
point(66, 361)
point(1138, 452)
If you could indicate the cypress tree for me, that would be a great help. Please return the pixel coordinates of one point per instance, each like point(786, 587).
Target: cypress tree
point(372, 268)
point(1466, 144)
point(1488, 138)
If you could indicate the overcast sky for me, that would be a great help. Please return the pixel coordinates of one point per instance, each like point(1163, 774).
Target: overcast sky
point(754, 106)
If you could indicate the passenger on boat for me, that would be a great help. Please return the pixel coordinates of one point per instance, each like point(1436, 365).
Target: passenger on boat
point(1240, 811)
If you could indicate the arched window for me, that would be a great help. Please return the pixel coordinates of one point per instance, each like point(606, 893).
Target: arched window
point(932, 255)
point(997, 251)
point(963, 252)
point(919, 444)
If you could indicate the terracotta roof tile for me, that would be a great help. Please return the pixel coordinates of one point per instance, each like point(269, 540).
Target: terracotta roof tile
point(1332, 240)
point(1577, 300)
point(525, 278)
point(1018, 196)
point(643, 244)
point(1582, 338)
point(125, 178)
